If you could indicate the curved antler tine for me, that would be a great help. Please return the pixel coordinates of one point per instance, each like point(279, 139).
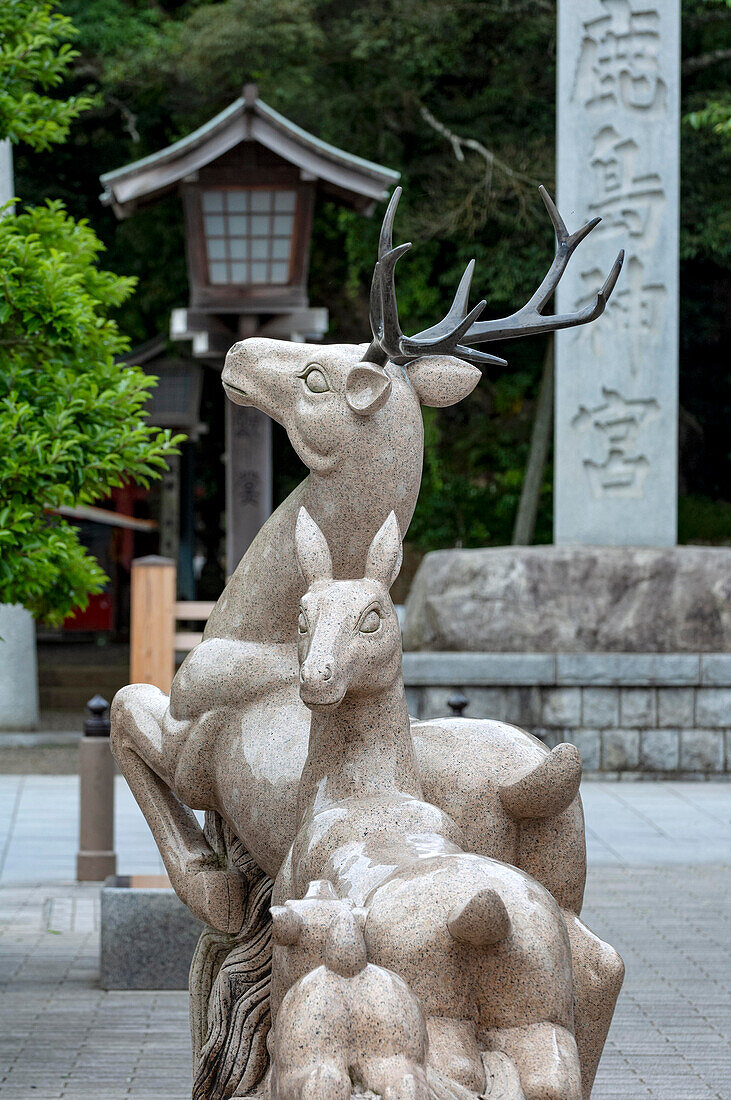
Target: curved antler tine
point(559, 225)
point(478, 357)
point(611, 280)
point(390, 331)
point(562, 234)
point(385, 241)
point(418, 344)
point(457, 310)
point(461, 301)
point(577, 237)
point(591, 312)
point(597, 307)
point(374, 311)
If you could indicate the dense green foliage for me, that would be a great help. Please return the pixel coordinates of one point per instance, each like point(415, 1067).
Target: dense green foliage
point(71, 416)
point(369, 75)
point(72, 421)
point(34, 57)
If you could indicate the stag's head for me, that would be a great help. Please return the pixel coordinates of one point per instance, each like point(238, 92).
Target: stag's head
point(328, 395)
point(349, 639)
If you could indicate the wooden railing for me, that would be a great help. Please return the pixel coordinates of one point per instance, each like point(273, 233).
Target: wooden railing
point(154, 616)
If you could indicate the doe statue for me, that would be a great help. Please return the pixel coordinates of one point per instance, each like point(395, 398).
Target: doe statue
point(429, 875)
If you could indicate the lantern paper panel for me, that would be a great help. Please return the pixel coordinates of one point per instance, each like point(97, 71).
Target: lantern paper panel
point(249, 234)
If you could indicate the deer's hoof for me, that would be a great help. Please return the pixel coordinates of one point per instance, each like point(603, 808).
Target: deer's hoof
point(218, 898)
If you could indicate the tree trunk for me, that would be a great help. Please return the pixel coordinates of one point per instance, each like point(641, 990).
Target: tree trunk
point(525, 520)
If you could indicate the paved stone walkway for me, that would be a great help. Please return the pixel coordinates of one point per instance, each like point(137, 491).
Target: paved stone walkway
point(658, 889)
point(62, 1036)
point(671, 1034)
point(626, 824)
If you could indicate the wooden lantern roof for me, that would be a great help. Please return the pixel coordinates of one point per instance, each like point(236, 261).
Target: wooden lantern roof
point(346, 178)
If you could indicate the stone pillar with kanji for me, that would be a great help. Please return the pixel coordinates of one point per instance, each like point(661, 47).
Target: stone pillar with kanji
point(617, 380)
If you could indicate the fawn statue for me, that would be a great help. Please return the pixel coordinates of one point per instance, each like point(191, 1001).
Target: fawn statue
point(231, 738)
point(484, 947)
point(352, 1020)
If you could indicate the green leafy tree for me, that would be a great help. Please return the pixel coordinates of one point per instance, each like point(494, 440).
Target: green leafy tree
point(72, 420)
point(35, 56)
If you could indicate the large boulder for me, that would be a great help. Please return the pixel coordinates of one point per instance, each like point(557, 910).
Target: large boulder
point(572, 599)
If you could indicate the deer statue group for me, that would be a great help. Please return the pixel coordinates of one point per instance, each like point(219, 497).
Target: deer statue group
point(428, 876)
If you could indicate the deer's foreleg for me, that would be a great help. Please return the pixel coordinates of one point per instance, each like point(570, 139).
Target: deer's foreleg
point(213, 893)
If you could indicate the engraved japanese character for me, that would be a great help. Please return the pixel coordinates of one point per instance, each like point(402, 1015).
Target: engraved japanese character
point(618, 65)
point(633, 319)
point(612, 428)
point(629, 202)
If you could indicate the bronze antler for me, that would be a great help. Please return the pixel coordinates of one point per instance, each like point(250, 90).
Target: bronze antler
point(460, 328)
point(388, 340)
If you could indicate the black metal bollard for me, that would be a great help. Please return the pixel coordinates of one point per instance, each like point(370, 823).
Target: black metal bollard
point(96, 723)
point(96, 858)
point(457, 702)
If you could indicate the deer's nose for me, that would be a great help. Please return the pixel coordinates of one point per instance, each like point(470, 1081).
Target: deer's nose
point(313, 672)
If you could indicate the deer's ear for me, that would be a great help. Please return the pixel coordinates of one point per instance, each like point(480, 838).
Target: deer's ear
point(367, 388)
point(441, 380)
point(313, 553)
point(384, 556)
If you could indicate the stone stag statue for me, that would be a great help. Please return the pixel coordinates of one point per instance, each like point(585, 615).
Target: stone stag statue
point(232, 737)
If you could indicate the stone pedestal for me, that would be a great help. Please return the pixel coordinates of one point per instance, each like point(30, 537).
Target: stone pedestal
point(147, 935)
point(18, 670)
point(617, 380)
point(624, 652)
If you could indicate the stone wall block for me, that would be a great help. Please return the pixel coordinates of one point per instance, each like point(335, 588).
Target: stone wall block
point(600, 707)
point(564, 600)
point(701, 750)
point(414, 701)
point(497, 703)
point(660, 750)
point(637, 707)
point(550, 737)
point(713, 707)
point(522, 706)
point(716, 668)
point(675, 707)
point(489, 702)
point(620, 750)
point(434, 702)
point(588, 742)
point(562, 706)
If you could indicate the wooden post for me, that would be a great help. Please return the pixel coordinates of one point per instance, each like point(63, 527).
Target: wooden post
point(152, 622)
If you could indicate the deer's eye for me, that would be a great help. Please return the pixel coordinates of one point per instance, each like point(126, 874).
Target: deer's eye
point(371, 622)
point(316, 381)
point(302, 624)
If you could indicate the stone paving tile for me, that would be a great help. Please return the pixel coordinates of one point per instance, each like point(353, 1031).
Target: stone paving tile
point(671, 1037)
point(63, 1038)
